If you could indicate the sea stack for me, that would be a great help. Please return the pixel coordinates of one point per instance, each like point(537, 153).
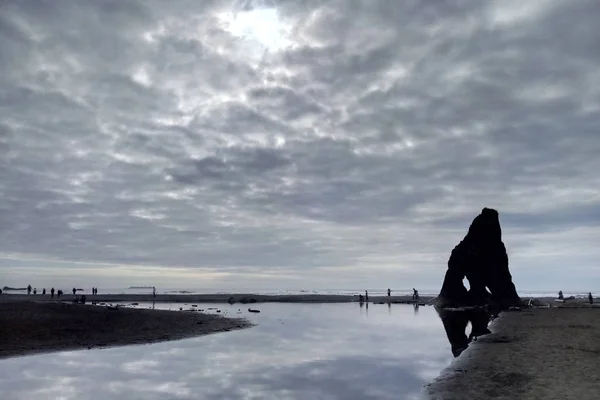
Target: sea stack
point(481, 258)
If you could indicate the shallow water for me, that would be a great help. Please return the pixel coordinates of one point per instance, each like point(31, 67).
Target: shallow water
point(297, 351)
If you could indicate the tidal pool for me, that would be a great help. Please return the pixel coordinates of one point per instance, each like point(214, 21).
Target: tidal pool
point(296, 351)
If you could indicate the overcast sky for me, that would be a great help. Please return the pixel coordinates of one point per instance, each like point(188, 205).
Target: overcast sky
point(296, 144)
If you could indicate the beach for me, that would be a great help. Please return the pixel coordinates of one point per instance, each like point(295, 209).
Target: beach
point(536, 353)
point(548, 352)
point(244, 298)
point(41, 327)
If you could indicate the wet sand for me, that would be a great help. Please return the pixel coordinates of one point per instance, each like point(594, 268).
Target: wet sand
point(33, 327)
point(215, 298)
point(538, 353)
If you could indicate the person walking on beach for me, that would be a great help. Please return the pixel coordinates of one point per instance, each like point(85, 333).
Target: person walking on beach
point(415, 294)
point(154, 291)
point(52, 293)
point(43, 291)
point(560, 295)
point(591, 298)
point(389, 292)
point(74, 291)
point(366, 296)
point(34, 290)
point(28, 289)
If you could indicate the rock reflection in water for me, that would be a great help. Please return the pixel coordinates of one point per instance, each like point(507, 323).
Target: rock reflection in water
point(455, 324)
point(294, 352)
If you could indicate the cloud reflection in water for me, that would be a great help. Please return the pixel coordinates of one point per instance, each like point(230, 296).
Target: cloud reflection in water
point(297, 351)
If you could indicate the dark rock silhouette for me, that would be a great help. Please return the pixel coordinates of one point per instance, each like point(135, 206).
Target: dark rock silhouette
point(481, 258)
point(456, 322)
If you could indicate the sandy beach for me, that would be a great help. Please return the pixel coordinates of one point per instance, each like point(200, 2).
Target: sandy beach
point(34, 327)
point(538, 353)
point(245, 298)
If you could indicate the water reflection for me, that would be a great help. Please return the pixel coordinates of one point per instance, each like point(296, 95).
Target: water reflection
point(297, 351)
point(455, 324)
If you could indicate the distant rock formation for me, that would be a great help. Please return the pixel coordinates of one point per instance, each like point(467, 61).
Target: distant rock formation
point(481, 258)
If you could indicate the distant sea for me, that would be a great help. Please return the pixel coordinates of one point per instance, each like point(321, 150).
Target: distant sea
point(343, 292)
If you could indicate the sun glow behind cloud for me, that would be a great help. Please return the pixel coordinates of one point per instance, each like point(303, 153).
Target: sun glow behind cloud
point(333, 141)
point(259, 30)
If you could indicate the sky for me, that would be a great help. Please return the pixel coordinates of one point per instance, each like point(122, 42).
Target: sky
point(286, 144)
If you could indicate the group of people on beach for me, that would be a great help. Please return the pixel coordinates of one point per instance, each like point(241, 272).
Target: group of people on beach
point(362, 299)
point(53, 291)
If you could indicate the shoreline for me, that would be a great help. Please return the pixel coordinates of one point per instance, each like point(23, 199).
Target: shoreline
point(535, 353)
point(31, 327)
point(250, 298)
point(244, 298)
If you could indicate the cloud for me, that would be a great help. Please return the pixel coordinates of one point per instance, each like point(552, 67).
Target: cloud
point(366, 137)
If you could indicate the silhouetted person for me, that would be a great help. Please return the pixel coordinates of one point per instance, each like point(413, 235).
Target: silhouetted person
point(28, 289)
point(52, 293)
point(389, 292)
point(366, 296)
point(560, 295)
point(34, 290)
point(82, 299)
point(591, 298)
point(74, 291)
point(153, 291)
point(44, 291)
point(59, 293)
point(415, 294)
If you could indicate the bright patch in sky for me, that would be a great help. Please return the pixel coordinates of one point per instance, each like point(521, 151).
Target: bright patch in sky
point(261, 26)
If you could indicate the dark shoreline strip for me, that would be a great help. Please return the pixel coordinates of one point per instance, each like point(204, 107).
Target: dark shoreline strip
point(215, 298)
point(30, 327)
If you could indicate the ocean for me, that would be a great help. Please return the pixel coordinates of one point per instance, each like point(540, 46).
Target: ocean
point(372, 292)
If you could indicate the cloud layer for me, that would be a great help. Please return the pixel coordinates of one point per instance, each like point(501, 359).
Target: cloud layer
point(311, 139)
